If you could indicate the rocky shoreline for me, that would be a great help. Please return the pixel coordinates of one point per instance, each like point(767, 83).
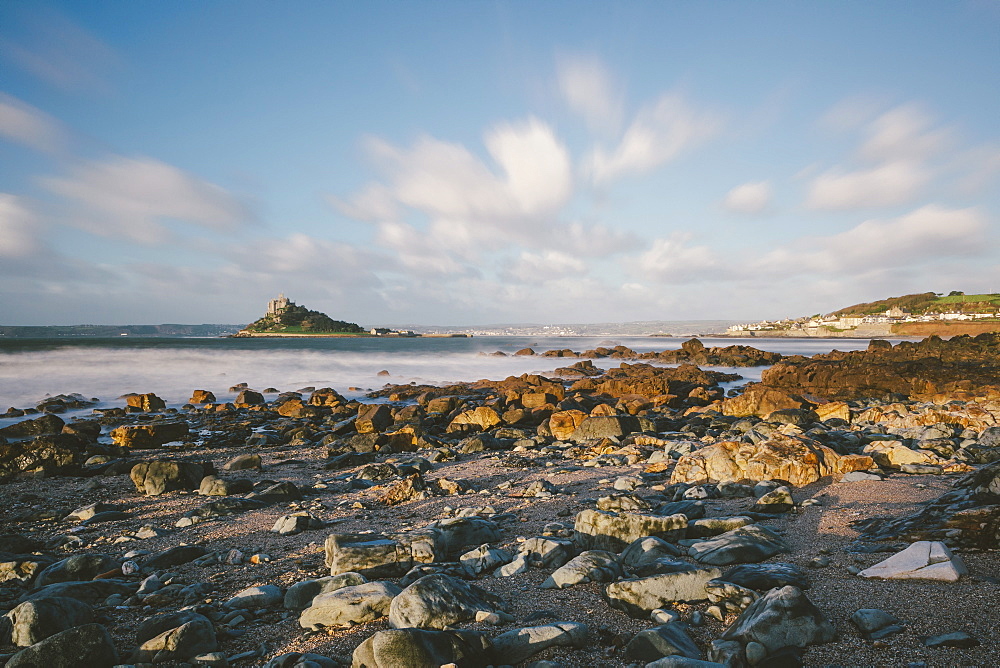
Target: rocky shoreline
point(844, 511)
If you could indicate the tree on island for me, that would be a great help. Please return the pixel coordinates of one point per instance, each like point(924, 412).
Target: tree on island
point(295, 318)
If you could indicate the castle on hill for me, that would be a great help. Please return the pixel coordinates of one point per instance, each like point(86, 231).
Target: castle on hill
point(275, 306)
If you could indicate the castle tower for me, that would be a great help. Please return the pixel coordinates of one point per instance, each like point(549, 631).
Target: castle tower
point(277, 305)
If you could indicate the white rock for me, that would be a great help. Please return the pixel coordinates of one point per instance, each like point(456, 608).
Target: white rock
point(923, 560)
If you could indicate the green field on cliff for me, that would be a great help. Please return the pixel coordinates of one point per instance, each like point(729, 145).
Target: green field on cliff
point(927, 302)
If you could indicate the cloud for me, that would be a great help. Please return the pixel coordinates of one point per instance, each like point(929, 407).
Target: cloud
point(17, 228)
point(672, 260)
point(134, 197)
point(60, 52)
point(886, 185)
point(752, 197)
point(903, 133)
point(24, 124)
point(928, 235)
point(660, 133)
point(586, 86)
point(540, 267)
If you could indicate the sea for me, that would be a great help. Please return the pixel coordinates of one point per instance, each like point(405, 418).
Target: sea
point(104, 369)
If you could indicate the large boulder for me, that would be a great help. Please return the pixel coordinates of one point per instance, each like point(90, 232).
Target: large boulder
point(589, 566)
point(751, 543)
point(665, 640)
point(757, 399)
point(377, 555)
point(782, 618)
point(599, 530)
point(518, 645)
point(595, 427)
point(193, 637)
point(146, 436)
point(349, 605)
point(48, 455)
point(87, 645)
point(797, 460)
point(422, 648)
point(147, 403)
point(34, 621)
point(372, 418)
point(439, 601)
point(301, 594)
point(46, 424)
point(79, 567)
point(923, 560)
point(156, 477)
point(477, 419)
point(638, 597)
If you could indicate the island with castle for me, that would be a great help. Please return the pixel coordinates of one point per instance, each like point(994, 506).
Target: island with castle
point(285, 318)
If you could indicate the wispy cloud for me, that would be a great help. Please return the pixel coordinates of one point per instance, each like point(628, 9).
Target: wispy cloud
point(587, 87)
point(24, 124)
point(886, 185)
point(750, 198)
point(659, 133)
point(18, 227)
point(138, 198)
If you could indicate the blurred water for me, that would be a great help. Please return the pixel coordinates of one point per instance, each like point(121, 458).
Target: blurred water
point(32, 369)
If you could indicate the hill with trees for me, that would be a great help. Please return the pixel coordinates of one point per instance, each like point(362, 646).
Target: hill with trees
point(928, 302)
point(295, 319)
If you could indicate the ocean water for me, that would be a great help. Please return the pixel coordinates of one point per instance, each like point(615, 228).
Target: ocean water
point(105, 369)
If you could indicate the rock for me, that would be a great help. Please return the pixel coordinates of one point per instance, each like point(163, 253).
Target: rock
point(88, 645)
point(638, 597)
point(174, 556)
point(876, 624)
point(757, 399)
point(262, 596)
point(77, 568)
point(894, 454)
point(598, 530)
point(713, 526)
point(46, 424)
point(644, 551)
point(547, 552)
point(243, 463)
point(180, 643)
point(300, 595)
point(782, 618)
point(289, 525)
point(484, 558)
point(302, 660)
point(766, 576)
point(860, 476)
point(153, 626)
point(590, 566)
point(923, 560)
point(518, 645)
point(776, 501)
point(797, 460)
point(355, 604)
point(275, 492)
point(92, 592)
point(562, 424)
point(477, 419)
point(227, 506)
point(751, 543)
point(146, 436)
point(22, 567)
point(48, 454)
point(147, 403)
point(201, 397)
point(377, 555)
point(249, 398)
point(34, 621)
point(156, 477)
point(422, 648)
point(372, 418)
point(959, 639)
point(609, 426)
point(402, 491)
point(212, 485)
point(677, 661)
point(438, 601)
point(660, 641)
point(516, 566)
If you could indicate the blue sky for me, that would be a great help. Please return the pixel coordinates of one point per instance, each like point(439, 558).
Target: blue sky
point(488, 162)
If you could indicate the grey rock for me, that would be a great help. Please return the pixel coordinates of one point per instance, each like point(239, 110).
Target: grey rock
point(959, 639)
point(153, 626)
point(609, 426)
point(174, 556)
point(876, 624)
point(778, 500)
point(378, 555)
point(660, 641)
point(638, 597)
point(597, 530)
point(178, 644)
point(518, 645)
point(547, 552)
point(683, 662)
point(421, 648)
point(156, 477)
point(77, 568)
point(300, 595)
point(349, 605)
point(438, 601)
point(289, 525)
point(213, 485)
point(860, 476)
point(589, 566)
point(275, 492)
point(34, 621)
point(302, 660)
point(645, 550)
point(456, 533)
point(782, 618)
point(243, 463)
point(93, 591)
point(450, 568)
point(226, 507)
point(762, 577)
point(89, 645)
point(750, 543)
point(263, 596)
point(713, 526)
point(484, 558)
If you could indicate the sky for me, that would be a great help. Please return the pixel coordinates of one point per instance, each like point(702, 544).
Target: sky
point(473, 162)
